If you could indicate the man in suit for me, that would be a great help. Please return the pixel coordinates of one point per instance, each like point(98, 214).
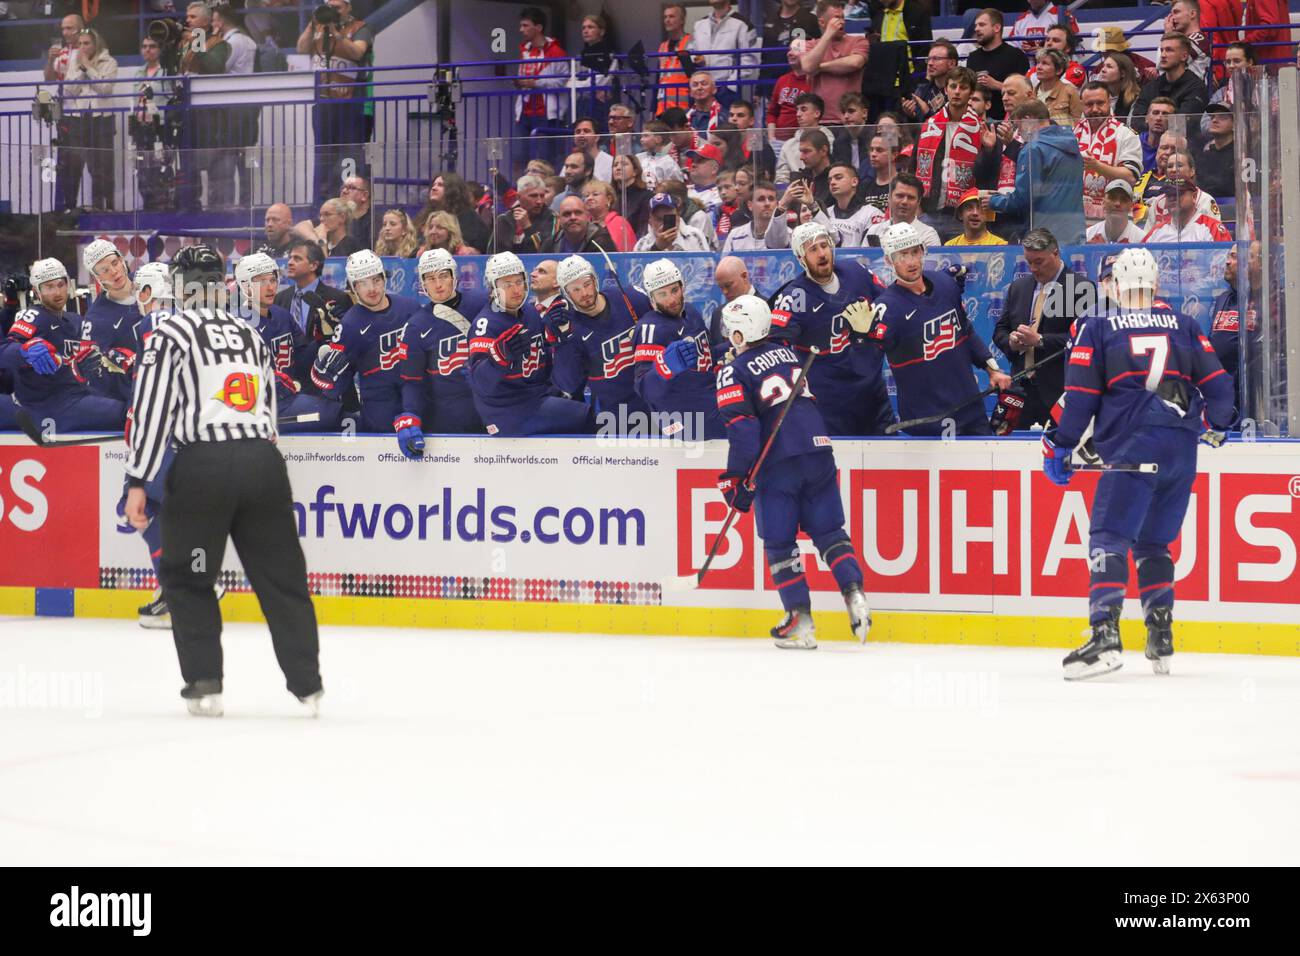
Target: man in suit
point(1035, 323)
point(316, 307)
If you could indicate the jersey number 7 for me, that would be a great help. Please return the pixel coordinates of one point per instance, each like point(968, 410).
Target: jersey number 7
point(1158, 347)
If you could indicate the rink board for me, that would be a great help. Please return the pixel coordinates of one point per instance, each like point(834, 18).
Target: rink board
point(961, 541)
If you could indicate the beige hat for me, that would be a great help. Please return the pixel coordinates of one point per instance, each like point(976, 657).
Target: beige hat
point(1110, 39)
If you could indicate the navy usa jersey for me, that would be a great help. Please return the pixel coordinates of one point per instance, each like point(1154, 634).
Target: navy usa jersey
point(108, 324)
point(372, 347)
point(63, 335)
point(692, 391)
point(435, 380)
point(932, 347)
point(751, 391)
point(598, 353)
point(292, 350)
point(1137, 369)
point(521, 385)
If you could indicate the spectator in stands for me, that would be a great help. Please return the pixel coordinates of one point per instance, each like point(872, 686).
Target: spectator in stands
point(315, 306)
point(846, 216)
point(599, 198)
point(90, 122)
point(674, 84)
point(996, 166)
point(1181, 217)
point(1113, 40)
point(750, 149)
point(1182, 178)
point(852, 141)
point(1111, 151)
point(728, 213)
point(541, 105)
point(1060, 98)
point(1153, 184)
point(279, 226)
point(622, 139)
point(725, 29)
point(980, 101)
point(905, 206)
point(788, 21)
point(243, 122)
point(332, 233)
point(706, 108)
point(554, 186)
point(155, 169)
point(808, 115)
point(655, 159)
point(1238, 57)
point(765, 229)
point(55, 66)
point(974, 227)
point(946, 151)
point(442, 231)
point(1185, 18)
point(1062, 38)
point(396, 235)
point(706, 164)
point(1035, 322)
point(668, 233)
point(1175, 81)
point(339, 116)
point(1117, 225)
point(1157, 124)
point(587, 141)
point(906, 21)
point(529, 221)
point(681, 138)
point(782, 108)
point(835, 61)
point(695, 215)
point(450, 193)
point(598, 59)
point(812, 182)
point(356, 192)
point(1217, 164)
point(631, 192)
point(876, 175)
point(544, 287)
point(993, 60)
point(931, 94)
point(539, 167)
point(1120, 77)
point(891, 124)
point(577, 233)
point(1048, 172)
point(577, 172)
point(1030, 28)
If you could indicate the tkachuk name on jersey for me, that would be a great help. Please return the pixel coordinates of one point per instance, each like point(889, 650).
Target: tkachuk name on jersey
point(75, 909)
point(770, 359)
point(1142, 320)
point(452, 353)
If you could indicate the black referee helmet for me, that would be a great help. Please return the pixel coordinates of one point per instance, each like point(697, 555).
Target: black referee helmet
point(200, 272)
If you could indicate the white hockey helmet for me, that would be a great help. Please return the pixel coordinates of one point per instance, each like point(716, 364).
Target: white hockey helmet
point(749, 315)
point(249, 268)
point(900, 236)
point(96, 252)
point(43, 270)
point(498, 267)
point(659, 275)
point(571, 269)
point(1135, 268)
point(805, 234)
point(363, 264)
point(434, 260)
point(156, 277)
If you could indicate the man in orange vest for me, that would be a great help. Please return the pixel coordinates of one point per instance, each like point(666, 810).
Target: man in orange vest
point(674, 81)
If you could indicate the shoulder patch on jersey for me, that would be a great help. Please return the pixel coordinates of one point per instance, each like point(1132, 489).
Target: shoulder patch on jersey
point(23, 328)
point(821, 441)
point(1081, 355)
point(1205, 344)
point(730, 395)
point(879, 330)
point(1161, 303)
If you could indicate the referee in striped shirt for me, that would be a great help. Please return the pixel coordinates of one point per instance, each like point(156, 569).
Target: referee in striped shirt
point(207, 385)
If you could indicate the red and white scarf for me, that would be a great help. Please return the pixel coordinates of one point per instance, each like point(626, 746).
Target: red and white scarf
point(1102, 145)
point(960, 157)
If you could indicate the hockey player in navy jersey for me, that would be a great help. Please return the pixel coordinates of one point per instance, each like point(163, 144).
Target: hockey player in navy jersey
point(592, 343)
point(257, 277)
point(674, 360)
point(435, 382)
point(509, 365)
point(921, 326)
point(796, 488)
point(106, 326)
point(368, 347)
point(848, 377)
point(50, 366)
point(1145, 376)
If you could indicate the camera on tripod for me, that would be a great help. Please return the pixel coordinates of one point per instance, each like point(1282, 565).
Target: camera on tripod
point(326, 16)
point(47, 109)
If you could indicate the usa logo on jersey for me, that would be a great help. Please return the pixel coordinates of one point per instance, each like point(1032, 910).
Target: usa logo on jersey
point(282, 349)
point(452, 353)
point(391, 348)
point(839, 334)
point(940, 334)
point(617, 354)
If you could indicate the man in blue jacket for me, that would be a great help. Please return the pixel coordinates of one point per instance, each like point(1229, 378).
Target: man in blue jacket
point(1049, 171)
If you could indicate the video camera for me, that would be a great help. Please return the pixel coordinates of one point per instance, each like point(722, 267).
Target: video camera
point(168, 33)
point(326, 16)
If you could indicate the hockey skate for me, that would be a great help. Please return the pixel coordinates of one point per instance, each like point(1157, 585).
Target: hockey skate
point(796, 631)
point(1101, 655)
point(859, 613)
point(1160, 639)
point(203, 698)
point(155, 615)
point(311, 703)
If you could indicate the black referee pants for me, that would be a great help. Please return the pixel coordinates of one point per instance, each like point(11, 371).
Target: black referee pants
point(238, 489)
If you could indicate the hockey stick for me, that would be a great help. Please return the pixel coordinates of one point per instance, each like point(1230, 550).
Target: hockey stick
point(931, 419)
point(689, 582)
point(609, 264)
point(1146, 468)
point(31, 431)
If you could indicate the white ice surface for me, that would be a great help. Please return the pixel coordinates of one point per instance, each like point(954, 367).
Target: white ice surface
point(462, 747)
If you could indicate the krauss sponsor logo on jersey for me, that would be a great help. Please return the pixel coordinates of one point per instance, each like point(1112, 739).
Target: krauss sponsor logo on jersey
point(448, 518)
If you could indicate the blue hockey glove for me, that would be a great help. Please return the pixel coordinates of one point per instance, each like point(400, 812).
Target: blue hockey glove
point(682, 356)
point(331, 362)
point(1213, 436)
point(1056, 462)
point(558, 327)
point(734, 490)
point(40, 357)
point(409, 437)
